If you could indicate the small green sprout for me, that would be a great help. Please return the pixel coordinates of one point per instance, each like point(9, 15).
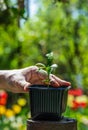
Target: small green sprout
point(49, 68)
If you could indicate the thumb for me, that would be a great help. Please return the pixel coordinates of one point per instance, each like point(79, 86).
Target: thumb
point(24, 84)
point(26, 87)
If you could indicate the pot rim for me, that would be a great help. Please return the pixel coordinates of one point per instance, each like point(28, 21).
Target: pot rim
point(49, 87)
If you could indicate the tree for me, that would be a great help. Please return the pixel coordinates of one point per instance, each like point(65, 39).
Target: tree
point(12, 12)
point(56, 29)
point(61, 28)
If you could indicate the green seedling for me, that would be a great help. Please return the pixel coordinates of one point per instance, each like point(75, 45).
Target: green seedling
point(49, 67)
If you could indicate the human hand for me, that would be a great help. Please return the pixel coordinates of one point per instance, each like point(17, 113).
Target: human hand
point(18, 81)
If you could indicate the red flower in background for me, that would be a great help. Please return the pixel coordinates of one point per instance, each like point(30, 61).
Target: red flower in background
point(77, 99)
point(75, 92)
point(77, 105)
point(3, 97)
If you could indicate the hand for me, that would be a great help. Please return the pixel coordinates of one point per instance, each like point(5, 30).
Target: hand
point(18, 81)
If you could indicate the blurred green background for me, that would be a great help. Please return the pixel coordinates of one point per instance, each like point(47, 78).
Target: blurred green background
point(61, 28)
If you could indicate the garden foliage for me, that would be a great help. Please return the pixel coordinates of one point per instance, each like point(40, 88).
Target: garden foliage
point(61, 28)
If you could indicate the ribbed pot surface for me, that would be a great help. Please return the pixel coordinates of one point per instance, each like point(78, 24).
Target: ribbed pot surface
point(48, 100)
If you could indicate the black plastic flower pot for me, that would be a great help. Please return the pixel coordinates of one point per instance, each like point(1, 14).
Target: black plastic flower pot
point(48, 102)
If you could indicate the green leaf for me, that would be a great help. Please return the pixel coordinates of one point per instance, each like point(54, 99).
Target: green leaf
point(40, 65)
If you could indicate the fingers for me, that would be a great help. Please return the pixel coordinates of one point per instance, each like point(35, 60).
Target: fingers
point(57, 82)
point(22, 86)
point(25, 85)
point(54, 83)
